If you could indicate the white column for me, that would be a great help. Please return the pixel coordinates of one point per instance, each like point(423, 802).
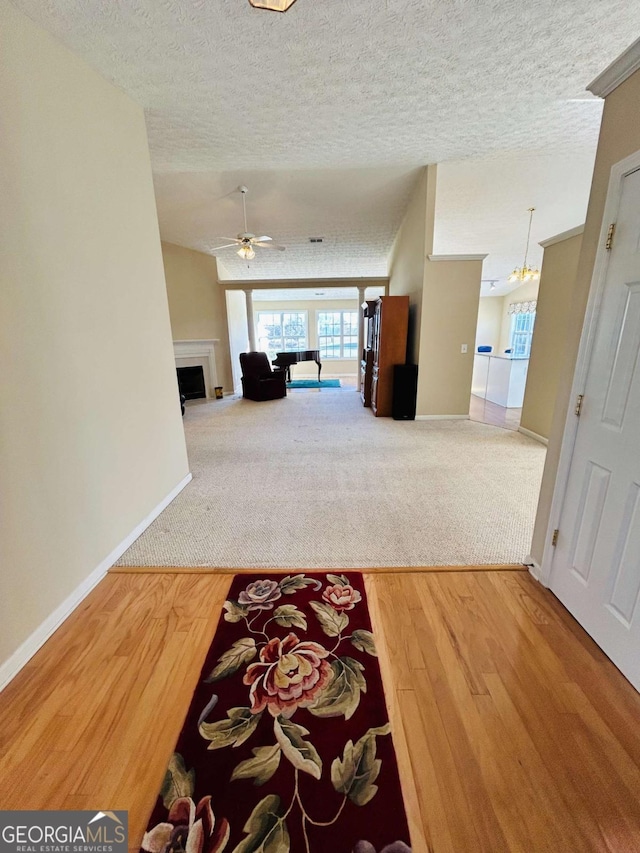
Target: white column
point(251, 326)
point(361, 291)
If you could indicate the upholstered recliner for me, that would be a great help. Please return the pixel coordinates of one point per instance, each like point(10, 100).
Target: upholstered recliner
point(259, 381)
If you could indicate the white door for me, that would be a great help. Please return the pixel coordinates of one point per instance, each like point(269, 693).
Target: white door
point(596, 566)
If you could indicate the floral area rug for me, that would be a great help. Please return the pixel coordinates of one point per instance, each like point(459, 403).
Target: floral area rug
point(286, 745)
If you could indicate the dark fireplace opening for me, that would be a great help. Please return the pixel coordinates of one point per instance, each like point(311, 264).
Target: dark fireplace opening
point(191, 382)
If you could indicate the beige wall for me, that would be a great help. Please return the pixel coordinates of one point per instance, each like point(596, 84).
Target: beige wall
point(525, 293)
point(449, 319)
point(413, 242)
point(553, 317)
point(619, 137)
point(92, 439)
point(197, 305)
point(489, 322)
point(308, 369)
point(443, 299)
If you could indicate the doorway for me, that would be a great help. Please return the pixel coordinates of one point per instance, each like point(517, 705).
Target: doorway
point(595, 568)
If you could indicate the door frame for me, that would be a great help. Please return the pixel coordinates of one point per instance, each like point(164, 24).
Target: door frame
point(619, 171)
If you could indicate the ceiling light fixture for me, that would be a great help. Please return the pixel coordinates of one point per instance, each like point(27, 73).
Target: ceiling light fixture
point(272, 5)
point(526, 273)
point(246, 252)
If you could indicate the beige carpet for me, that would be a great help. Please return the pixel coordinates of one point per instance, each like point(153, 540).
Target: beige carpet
point(316, 481)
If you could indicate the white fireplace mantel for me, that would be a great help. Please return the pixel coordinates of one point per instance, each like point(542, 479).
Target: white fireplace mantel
point(199, 352)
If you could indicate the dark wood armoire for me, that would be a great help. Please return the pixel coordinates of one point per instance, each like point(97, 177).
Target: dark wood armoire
point(389, 334)
point(368, 309)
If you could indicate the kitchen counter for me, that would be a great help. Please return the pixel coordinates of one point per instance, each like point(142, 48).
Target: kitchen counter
point(500, 378)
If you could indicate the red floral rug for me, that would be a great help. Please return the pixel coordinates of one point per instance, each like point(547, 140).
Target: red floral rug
point(286, 745)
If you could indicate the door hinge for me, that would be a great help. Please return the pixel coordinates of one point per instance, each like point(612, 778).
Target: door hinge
point(578, 409)
point(554, 538)
point(610, 233)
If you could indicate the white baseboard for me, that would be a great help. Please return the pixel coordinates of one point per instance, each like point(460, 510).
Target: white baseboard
point(442, 417)
point(11, 667)
point(532, 434)
point(534, 568)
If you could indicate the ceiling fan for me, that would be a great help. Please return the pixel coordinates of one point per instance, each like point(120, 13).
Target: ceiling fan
point(247, 241)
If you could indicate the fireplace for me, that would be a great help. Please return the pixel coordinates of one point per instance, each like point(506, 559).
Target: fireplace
point(199, 354)
point(191, 382)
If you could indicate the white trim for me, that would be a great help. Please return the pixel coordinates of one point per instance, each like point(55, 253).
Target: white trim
point(442, 417)
point(12, 666)
point(457, 257)
point(566, 235)
point(200, 349)
point(614, 192)
point(620, 70)
point(312, 283)
point(534, 568)
point(533, 434)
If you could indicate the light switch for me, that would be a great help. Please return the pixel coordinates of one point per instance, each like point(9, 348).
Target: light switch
point(463, 348)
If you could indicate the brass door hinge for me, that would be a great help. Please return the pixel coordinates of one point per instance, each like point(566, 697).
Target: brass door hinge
point(610, 233)
point(578, 409)
point(554, 538)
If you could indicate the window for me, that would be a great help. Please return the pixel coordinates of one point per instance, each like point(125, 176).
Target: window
point(521, 333)
point(282, 331)
point(338, 334)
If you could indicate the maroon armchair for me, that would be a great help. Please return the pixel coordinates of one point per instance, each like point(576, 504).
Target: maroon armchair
point(259, 381)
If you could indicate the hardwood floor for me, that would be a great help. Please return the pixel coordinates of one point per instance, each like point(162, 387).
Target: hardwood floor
point(513, 731)
point(490, 413)
point(522, 735)
point(95, 714)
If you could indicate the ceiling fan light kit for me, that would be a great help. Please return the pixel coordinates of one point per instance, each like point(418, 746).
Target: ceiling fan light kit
point(245, 242)
point(272, 5)
point(246, 252)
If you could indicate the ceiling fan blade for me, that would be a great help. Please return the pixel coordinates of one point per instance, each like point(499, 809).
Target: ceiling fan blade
point(227, 239)
point(226, 246)
point(262, 239)
point(268, 246)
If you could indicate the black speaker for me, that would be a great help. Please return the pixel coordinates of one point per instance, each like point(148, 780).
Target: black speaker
point(405, 388)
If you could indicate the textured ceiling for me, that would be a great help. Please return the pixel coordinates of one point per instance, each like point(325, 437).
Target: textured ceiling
point(482, 207)
point(343, 84)
point(356, 212)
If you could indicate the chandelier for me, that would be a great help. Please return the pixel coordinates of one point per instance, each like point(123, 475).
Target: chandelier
point(525, 272)
point(272, 5)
